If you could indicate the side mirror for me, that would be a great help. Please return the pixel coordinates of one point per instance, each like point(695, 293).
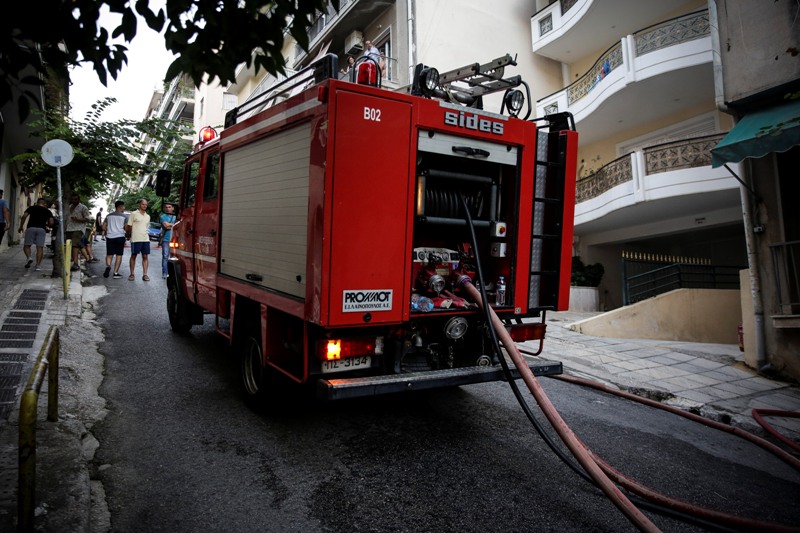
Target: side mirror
point(163, 183)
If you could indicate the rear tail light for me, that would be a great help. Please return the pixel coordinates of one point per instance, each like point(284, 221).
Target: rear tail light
point(527, 332)
point(333, 349)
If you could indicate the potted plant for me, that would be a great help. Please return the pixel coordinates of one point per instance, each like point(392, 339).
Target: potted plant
point(584, 294)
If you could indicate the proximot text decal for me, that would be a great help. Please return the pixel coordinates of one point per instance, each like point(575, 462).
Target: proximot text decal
point(371, 300)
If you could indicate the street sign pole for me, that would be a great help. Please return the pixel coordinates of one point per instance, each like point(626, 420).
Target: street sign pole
point(58, 153)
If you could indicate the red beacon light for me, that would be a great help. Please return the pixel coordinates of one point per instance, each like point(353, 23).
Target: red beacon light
point(207, 134)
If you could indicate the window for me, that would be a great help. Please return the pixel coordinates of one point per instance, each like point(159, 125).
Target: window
point(212, 176)
point(228, 101)
point(385, 48)
point(193, 174)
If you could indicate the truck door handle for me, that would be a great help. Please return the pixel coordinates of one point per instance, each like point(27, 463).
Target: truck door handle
point(468, 150)
point(254, 277)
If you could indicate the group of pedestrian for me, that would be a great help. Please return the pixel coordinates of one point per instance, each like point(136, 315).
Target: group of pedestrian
point(117, 227)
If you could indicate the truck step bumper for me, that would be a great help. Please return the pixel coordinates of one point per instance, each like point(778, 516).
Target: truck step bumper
point(340, 389)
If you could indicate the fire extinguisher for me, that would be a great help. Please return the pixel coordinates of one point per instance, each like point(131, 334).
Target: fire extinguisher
point(740, 335)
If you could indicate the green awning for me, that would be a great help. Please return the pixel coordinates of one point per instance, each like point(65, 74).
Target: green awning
point(774, 129)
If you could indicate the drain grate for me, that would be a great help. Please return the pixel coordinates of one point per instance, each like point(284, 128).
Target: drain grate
point(23, 321)
point(13, 357)
point(24, 314)
point(16, 344)
point(15, 335)
point(29, 304)
point(11, 369)
point(8, 395)
point(9, 382)
point(19, 327)
point(34, 294)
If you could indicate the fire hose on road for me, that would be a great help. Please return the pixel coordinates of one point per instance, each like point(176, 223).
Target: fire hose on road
point(594, 468)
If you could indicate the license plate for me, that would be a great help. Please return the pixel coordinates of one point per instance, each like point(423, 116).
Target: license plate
point(349, 363)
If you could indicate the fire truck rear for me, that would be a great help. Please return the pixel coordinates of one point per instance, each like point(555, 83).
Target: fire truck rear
point(333, 225)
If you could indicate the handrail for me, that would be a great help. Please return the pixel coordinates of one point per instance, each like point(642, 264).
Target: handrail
point(28, 406)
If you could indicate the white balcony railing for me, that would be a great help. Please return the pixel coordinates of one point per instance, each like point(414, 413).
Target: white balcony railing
point(670, 169)
point(674, 44)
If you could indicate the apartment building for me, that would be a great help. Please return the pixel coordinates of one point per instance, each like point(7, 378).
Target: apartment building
point(638, 77)
point(438, 33)
point(759, 86)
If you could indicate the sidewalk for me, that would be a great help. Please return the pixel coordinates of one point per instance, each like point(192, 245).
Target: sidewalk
point(709, 379)
point(30, 302)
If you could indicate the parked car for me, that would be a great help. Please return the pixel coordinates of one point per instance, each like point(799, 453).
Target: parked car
point(154, 231)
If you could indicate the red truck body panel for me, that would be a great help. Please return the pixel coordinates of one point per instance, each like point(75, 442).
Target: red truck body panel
point(329, 212)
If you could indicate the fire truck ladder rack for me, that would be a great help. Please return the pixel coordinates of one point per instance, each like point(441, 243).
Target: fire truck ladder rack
point(324, 68)
point(548, 209)
point(480, 80)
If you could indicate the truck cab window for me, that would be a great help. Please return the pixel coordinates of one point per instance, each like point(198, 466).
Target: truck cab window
point(212, 177)
point(193, 174)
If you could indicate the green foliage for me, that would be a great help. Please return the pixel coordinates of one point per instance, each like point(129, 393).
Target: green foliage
point(211, 38)
point(132, 197)
point(586, 275)
point(105, 153)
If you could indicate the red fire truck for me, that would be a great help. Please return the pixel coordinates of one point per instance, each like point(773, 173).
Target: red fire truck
point(331, 226)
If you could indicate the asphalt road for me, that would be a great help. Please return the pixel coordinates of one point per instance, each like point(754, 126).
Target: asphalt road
point(179, 451)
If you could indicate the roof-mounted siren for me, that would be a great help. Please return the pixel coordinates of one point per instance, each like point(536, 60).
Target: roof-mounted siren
point(366, 71)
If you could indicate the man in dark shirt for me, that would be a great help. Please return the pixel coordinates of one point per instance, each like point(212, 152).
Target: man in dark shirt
point(40, 219)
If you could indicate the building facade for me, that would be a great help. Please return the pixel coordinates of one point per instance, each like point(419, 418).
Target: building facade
point(759, 86)
point(638, 77)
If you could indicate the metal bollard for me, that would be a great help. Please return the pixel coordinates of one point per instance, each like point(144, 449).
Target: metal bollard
point(26, 497)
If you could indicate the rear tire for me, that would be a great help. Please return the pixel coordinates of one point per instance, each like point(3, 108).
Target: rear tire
point(176, 310)
point(254, 376)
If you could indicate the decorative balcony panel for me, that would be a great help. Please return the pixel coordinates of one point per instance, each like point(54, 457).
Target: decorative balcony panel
point(546, 25)
point(607, 62)
point(566, 5)
point(607, 177)
point(686, 153)
point(672, 32)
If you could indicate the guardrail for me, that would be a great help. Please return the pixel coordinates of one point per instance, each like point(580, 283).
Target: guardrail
point(46, 363)
point(660, 279)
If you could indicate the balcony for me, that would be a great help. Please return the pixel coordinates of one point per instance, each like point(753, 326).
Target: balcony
point(669, 63)
point(669, 181)
point(571, 29)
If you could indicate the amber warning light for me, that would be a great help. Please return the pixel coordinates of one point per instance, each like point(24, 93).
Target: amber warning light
point(208, 134)
point(335, 349)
